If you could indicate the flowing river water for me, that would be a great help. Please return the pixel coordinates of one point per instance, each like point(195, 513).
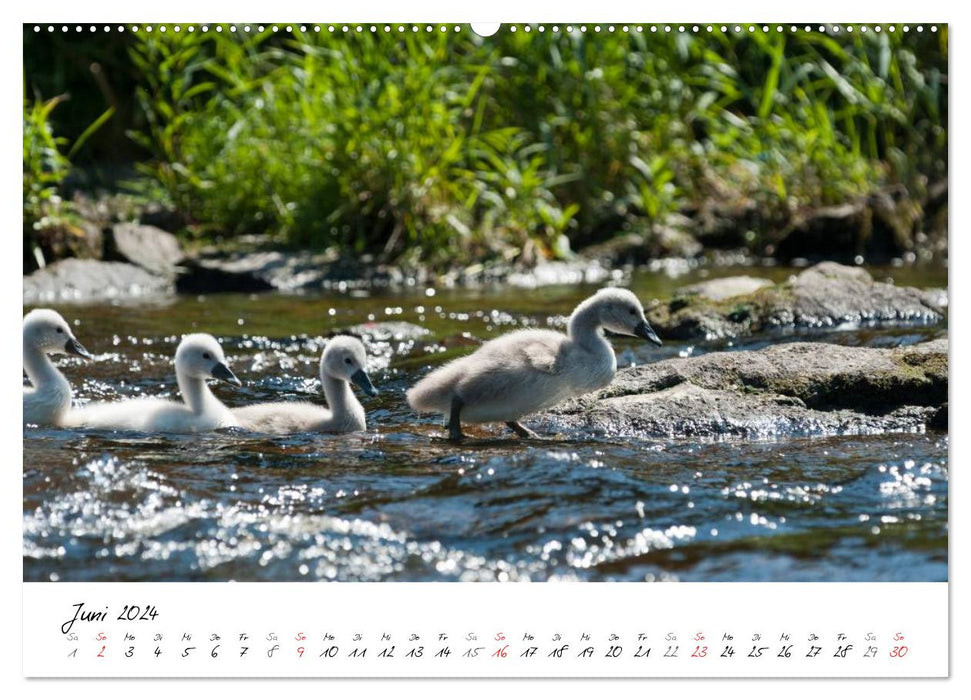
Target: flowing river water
point(398, 502)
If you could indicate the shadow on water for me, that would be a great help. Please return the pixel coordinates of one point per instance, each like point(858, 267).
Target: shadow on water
point(399, 502)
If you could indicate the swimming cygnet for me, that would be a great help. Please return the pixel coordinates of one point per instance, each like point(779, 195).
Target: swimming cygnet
point(49, 398)
point(530, 370)
point(343, 360)
point(197, 358)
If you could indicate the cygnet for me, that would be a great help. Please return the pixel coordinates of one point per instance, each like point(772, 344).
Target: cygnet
point(48, 399)
point(530, 370)
point(198, 357)
point(343, 360)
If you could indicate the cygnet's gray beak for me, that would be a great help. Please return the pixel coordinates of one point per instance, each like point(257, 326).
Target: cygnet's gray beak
point(645, 331)
point(221, 371)
point(362, 380)
point(73, 347)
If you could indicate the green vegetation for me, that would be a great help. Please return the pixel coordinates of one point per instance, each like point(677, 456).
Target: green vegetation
point(48, 219)
point(51, 225)
point(44, 165)
point(445, 147)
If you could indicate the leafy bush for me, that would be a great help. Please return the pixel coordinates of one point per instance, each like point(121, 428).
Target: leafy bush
point(351, 141)
point(45, 168)
point(50, 223)
point(448, 147)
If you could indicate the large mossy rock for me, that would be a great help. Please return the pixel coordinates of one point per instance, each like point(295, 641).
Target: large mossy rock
point(783, 390)
point(826, 295)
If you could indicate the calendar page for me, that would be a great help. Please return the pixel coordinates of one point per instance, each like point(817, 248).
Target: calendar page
point(524, 349)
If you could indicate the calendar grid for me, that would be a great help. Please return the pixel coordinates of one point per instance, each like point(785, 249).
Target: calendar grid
point(487, 630)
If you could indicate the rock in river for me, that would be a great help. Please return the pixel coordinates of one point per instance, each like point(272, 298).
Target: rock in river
point(156, 250)
point(783, 390)
point(74, 279)
point(826, 295)
point(286, 271)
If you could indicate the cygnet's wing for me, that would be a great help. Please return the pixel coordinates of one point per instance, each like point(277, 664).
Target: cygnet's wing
point(46, 404)
point(514, 375)
point(132, 414)
point(536, 349)
point(282, 417)
point(510, 364)
point(542, 355)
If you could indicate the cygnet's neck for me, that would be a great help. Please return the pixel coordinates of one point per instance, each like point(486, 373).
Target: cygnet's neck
point(340, 398)
point(196, 393)
point(584, 326)
point(42, 372)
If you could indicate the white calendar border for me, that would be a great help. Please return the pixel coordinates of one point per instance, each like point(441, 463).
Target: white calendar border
point(510, 10)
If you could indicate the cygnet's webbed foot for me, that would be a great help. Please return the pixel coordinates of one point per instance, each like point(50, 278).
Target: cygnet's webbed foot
point(521, 430)
point(454, 421)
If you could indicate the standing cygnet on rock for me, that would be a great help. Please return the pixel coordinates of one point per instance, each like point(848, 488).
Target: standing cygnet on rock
point(45, 333)
point(197, 358)
point(527, 371)
point(343, 360)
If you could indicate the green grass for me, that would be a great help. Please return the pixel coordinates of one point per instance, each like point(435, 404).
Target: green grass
point(447, 148)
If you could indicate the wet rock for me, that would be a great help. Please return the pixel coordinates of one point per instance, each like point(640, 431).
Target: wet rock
point(281, 270)
point(74, 279)
point(827, 295)
point(149, 247)
point(692, 412)
point(783, 390)
point(256, 266)
point(255, 272)
point(287, 271)
point(727, 287)
point(935, 298)
point(195, 277)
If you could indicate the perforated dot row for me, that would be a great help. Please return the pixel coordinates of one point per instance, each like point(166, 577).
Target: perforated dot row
point(246, 28)
point(414, 28)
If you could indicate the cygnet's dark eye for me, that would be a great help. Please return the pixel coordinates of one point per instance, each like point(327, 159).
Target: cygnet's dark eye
point(633, 311)
point(60, 330)
point(347, 360)
point(206, 356)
